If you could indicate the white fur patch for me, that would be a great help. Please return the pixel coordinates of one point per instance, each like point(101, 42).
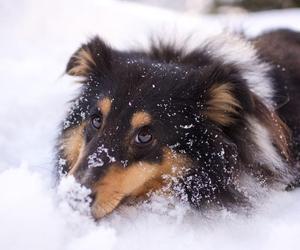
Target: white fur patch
point(266, 152)
point(250, 187)
point(232, 49)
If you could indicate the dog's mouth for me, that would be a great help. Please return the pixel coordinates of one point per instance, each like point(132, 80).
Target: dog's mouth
point(103, 205)
point(118, 185)
point(100, 209)
point(134, 183)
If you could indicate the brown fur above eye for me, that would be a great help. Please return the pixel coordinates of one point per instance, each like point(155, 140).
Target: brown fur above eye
point(140, 119)
point(105, 106)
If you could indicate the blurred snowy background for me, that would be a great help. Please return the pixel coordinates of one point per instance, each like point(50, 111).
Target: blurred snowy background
point(37, 38)
point(219, 6)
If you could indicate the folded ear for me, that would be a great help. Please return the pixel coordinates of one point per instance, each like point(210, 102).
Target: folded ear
point(222, 106)
point(230, 103)
point(227, 96)
point(92, 57)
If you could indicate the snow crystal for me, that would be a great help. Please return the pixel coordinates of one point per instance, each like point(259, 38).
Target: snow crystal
point(94, 161)
point(187, 126)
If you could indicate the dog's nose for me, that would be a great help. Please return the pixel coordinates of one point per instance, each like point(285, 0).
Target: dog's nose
point(83, 177)
point(92, 197)
point(93, 166)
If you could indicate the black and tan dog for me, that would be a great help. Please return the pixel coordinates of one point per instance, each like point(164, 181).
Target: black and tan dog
point(212, 125)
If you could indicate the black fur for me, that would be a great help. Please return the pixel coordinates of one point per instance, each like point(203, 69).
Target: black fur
point(282, 49)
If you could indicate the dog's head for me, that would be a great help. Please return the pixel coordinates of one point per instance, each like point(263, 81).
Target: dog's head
point(146, 120)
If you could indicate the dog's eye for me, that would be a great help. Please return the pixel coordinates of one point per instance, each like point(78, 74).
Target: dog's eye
point(96, 121)
point(144, 136)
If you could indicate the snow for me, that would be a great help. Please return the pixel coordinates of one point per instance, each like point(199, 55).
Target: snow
point(37, 38)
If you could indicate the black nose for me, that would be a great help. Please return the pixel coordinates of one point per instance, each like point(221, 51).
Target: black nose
point(84, 177)
point(92, 166)
point(92, 197)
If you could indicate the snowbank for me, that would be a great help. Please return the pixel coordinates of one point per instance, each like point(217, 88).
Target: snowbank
point(37, 37)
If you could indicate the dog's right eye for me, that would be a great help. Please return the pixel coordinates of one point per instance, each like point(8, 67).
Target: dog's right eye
point(96, 121)
point(144, 136)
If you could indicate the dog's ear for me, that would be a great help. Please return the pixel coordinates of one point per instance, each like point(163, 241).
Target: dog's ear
point(222, 106)
point(225, 94)
point(229, 102)
point(92, 57)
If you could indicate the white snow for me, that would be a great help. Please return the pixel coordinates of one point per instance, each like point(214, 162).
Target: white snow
point(37, 38)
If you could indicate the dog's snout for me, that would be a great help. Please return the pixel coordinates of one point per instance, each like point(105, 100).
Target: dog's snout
point(92, 197)
point(93, 165)
point(102, 156)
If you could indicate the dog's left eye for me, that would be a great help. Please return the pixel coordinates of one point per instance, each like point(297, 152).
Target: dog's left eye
point(144, 136)
point(96, 121)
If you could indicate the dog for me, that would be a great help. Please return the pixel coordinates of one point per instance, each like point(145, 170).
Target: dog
point(211, 125)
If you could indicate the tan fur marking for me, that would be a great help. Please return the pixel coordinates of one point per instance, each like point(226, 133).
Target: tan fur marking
point(135, 181)
point(222, 104)
point(83, 63)
point(279, 131)
point(140, 119)
point(73, 144)
point(105, 105)
point(283, 136)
